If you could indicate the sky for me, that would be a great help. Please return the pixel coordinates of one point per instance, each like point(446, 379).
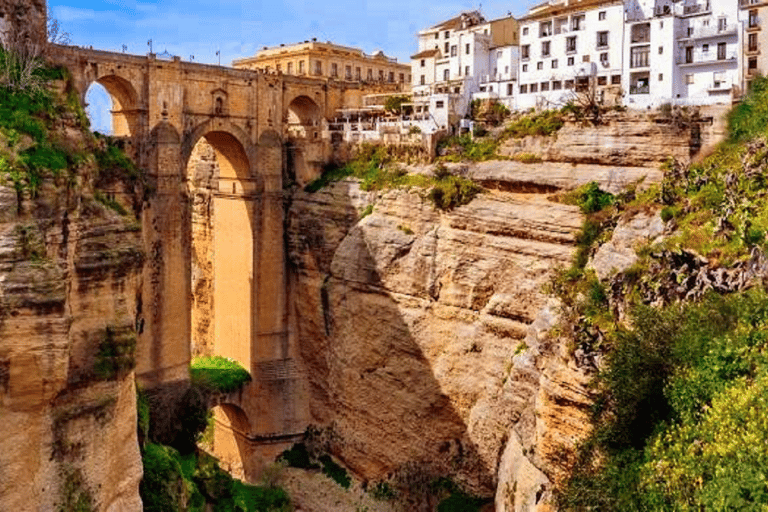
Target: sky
point(197, 29)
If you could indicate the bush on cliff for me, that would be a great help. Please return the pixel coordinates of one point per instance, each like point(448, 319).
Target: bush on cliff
point(219, 374)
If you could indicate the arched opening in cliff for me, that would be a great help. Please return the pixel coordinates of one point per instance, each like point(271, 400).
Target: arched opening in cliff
point(111, 106)
point(222, 198)
point(229, 442)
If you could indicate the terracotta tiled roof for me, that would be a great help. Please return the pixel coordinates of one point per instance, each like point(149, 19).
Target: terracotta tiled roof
point(425, 54)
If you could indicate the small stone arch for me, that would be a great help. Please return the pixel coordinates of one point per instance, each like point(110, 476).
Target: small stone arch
point(230, 443)
point(303, 118)
point(126, 121)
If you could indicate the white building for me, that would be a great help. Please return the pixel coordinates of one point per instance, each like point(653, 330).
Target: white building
point(454, 61)
point(501, 83)
point(569, 46)
point(682, 52)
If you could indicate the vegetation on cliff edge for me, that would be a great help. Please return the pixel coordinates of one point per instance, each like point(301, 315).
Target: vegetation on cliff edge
point(680, 338)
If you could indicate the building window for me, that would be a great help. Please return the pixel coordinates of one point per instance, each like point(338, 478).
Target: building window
point(381, 75)
point(638, 57)
point(615, 79)
point(604, 58)
point(571, 61)
point(602, 80)
point(525, 33)
point(524, 89)
point(447, 48)
point(525, 68)
point(661, 77)
point(422, 80)
point(661, 50)
point(509, 90)
point(466, 48)
point(557, 85)
point(534, 87)
point(570, 44)
point(301, 67)
point(334, 69)
point(290, 68)
point(545, 29)
point(402, 77)
point(439, 104)
point(447, 34)
point(569, 84)
point(539, 65)
point(752, 65)
point(602, 39)
point(454, 51)
point(525, 52)
point(554, 63)
point(722, 24)
point(545, 48)
point(318, 67)
point(369, 76)
point(544, 86)
point(601, 15)
point(348, 72)
point(446, 74)
point(577, 22)
point(391, 76)
point(585, 58)
point(466, 70)
point(689, 79)
point(752, 43)
point(358, 74)
point(753, 18)
point(705, 48)
point(437, 35)
point(423, 62)
point(721, 51)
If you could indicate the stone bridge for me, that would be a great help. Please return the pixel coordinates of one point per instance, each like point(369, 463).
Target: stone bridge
point(219, 144)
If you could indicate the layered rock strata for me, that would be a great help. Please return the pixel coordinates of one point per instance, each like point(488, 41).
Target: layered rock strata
point(69, 282)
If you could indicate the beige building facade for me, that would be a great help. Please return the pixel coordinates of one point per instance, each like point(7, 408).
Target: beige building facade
point(327, 60)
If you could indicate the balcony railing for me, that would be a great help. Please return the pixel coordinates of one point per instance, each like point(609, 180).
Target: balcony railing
point(639, 89)
point(709, 58)
point(690, 10)
point(708, 32)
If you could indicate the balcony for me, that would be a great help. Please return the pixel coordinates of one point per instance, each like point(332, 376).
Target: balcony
point(708, 58)
point(698, 9)
point(639, 89)
point(708, 32)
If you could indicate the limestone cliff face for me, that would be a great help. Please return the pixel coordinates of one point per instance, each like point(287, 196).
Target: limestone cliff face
point(69, 283)
point(424, 335)
point(629, 139)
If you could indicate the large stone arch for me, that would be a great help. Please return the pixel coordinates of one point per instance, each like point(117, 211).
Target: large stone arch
point(224, 241)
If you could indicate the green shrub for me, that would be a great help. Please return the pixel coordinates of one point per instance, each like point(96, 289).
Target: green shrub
point(335, 472)
point(544, 123)
point(452, 191)
point(162, 486)
point(109, 203)
point(382, 491)
point(297, 456)
point(116, 354)
point(217, 373)
point(749, 118)
point(366, 211)
point(394, 104)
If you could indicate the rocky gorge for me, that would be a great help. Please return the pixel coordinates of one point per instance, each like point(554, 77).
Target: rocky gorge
point(430, 338)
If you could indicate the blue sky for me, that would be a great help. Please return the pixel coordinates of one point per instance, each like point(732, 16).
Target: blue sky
point(238, 28)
